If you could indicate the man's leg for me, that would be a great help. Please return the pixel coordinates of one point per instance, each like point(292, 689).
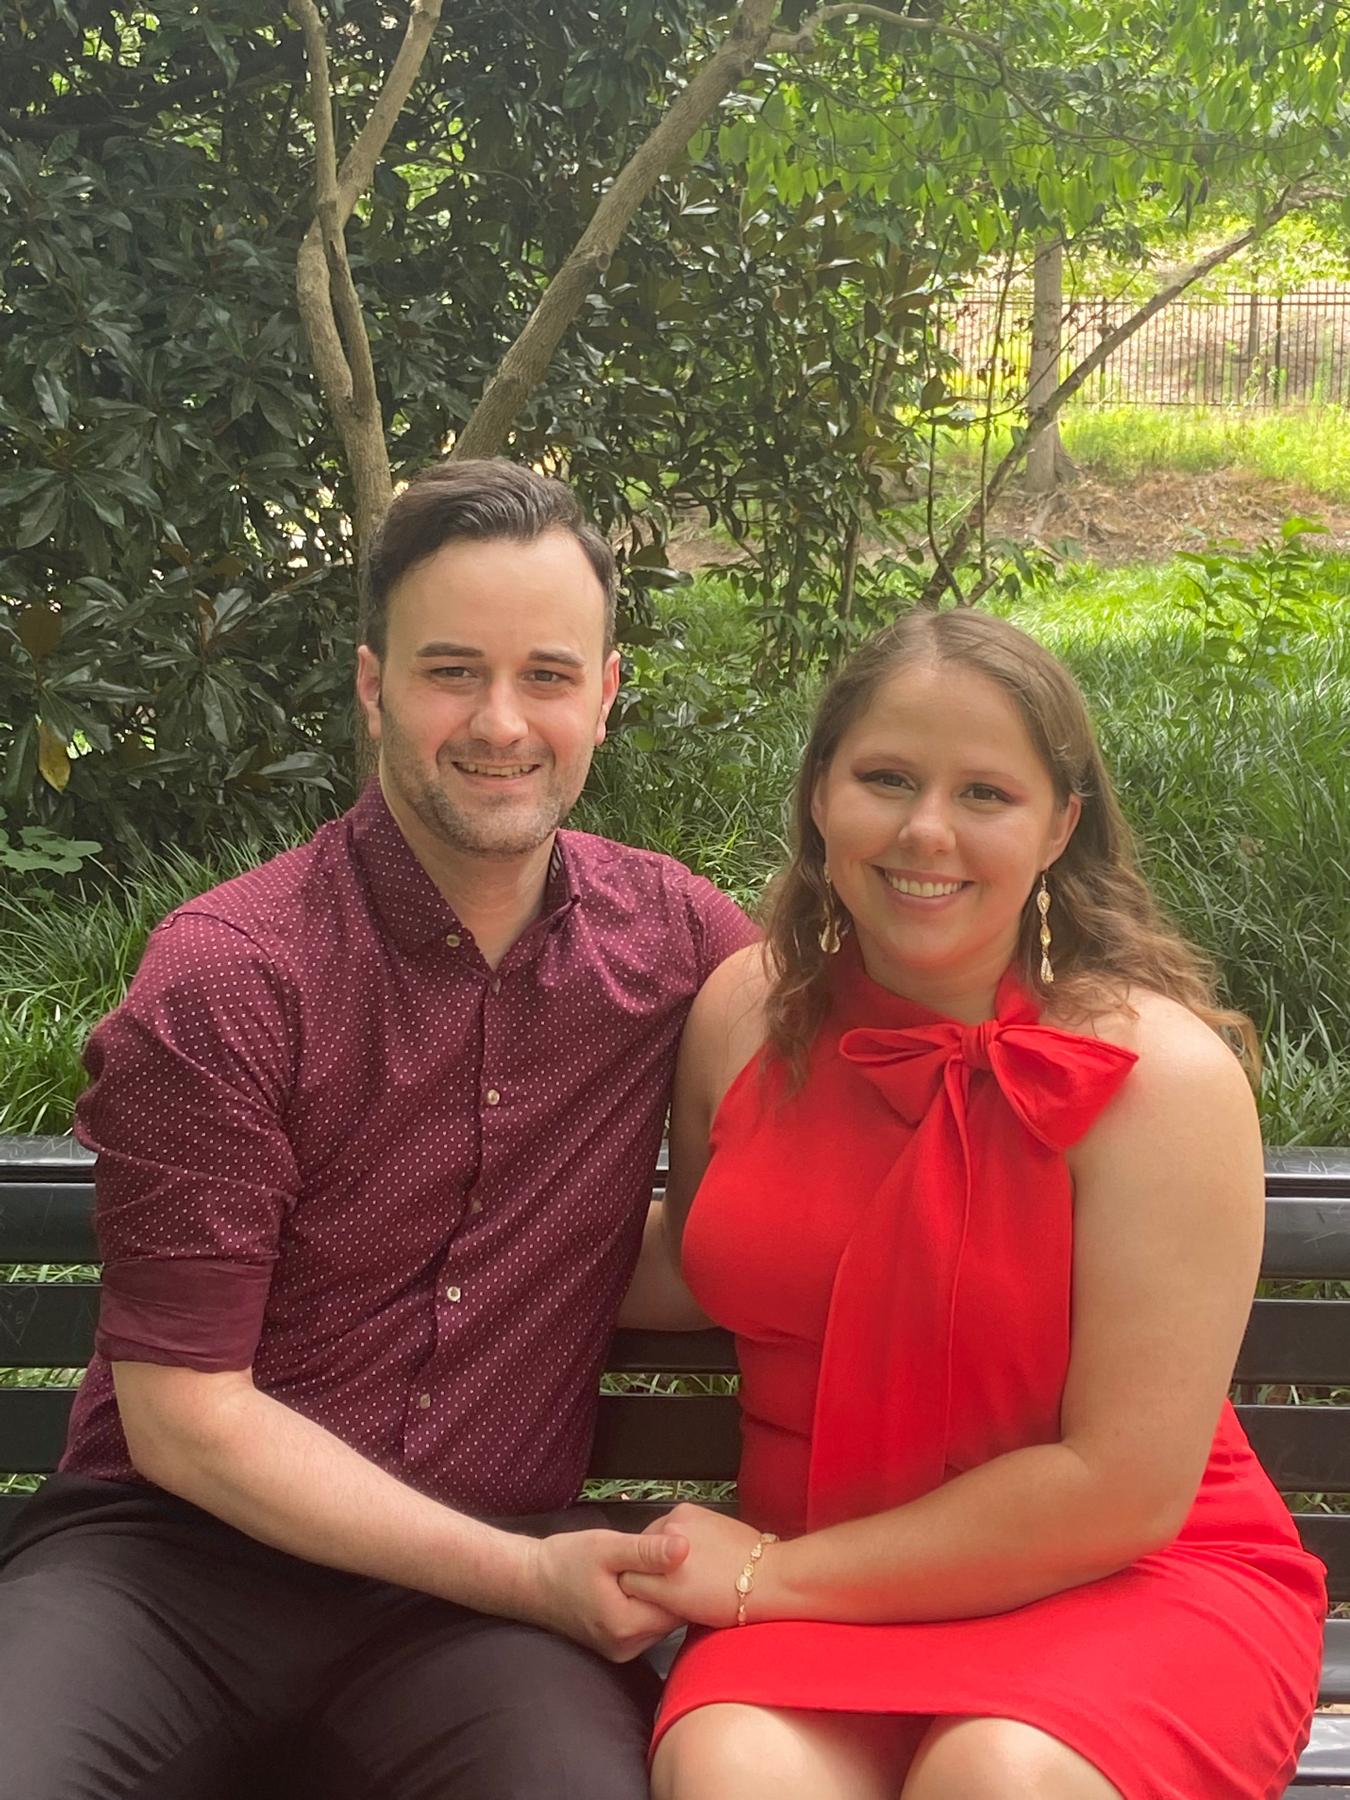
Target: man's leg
point(145, 1648)
point(445, 1704)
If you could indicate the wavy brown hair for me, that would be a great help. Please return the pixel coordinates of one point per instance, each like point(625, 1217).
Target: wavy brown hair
point(1109, 932)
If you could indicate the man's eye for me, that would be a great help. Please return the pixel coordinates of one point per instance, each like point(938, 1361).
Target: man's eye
point(547, 676)
point(455, 669)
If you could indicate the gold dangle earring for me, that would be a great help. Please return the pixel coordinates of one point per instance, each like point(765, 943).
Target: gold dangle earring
point(1043, 908)
point(829, 930)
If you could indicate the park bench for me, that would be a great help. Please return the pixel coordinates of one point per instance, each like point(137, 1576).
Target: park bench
point(1295, 1357)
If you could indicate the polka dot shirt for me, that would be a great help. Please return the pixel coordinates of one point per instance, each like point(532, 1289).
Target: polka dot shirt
point(406, 1189)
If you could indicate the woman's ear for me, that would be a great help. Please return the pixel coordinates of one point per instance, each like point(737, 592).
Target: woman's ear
point(1066, 824)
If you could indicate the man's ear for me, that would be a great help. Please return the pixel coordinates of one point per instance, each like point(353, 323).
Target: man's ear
point(368, 678)
point(609, 693)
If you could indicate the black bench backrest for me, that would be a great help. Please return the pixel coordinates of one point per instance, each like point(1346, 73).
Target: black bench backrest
point(1294, 1343)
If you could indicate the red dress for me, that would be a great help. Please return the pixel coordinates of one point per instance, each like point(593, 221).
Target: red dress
point(892, 1247)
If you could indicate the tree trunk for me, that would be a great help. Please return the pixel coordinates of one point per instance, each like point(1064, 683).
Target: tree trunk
point(943, 579)
point(1047, 312)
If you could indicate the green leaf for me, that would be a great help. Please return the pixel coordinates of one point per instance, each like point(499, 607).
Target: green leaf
point(41, 519)
point(52, 398)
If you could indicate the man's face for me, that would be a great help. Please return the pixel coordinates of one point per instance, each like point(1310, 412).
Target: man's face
point(493, 691)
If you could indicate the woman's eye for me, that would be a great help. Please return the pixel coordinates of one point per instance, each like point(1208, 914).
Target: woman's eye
point(981, 790)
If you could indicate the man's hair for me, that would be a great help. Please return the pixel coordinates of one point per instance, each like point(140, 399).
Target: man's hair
point(451, 502)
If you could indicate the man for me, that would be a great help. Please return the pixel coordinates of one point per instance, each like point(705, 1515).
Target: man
point(376, 1125)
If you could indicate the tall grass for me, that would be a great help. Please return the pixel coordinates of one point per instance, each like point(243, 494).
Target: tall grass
point(1240, 800)
point(65, 959)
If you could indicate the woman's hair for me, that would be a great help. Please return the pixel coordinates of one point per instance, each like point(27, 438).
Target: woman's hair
point(1109, 933)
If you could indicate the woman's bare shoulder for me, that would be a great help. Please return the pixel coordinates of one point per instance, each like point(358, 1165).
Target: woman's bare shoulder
point(1186, 1074)
point(1150, 1024)
point(728, 1010)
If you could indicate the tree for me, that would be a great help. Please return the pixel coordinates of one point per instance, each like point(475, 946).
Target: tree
point(1046, 457)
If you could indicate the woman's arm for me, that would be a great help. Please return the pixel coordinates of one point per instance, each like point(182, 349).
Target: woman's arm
point(722, 1032)
point(1168, 1220)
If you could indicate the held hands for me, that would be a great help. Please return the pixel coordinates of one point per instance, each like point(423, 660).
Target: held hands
point(575, 1586)
point(700, 1585)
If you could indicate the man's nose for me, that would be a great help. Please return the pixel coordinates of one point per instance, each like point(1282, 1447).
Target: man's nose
point(497, 718)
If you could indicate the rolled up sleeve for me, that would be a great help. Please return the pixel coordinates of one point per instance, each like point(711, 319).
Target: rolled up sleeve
point(191, 1077)
point(719, 926)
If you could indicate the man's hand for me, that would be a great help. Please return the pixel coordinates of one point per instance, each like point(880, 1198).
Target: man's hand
point(700, 1585)
point(573, 1588)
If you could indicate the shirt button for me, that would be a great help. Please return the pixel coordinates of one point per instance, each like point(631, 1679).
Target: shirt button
point(424, 1400)
point(496, 984)
point(452, 1293)
point(475, 1205)
point(453, 939)
point(493, 1096)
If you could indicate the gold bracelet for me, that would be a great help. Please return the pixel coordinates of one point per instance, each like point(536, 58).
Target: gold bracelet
point(746, 1579)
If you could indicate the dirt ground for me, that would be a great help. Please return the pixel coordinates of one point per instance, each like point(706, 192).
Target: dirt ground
point(1145, 520)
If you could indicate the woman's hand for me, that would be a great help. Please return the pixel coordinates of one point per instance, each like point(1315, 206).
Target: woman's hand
point(703, 1588)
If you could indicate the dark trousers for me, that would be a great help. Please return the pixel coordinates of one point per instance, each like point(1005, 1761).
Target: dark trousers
point(150, 1652)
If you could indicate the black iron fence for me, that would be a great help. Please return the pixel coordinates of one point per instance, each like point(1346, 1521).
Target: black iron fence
point(1241, 348)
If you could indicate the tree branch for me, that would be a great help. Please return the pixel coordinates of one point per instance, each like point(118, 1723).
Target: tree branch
point(806, 34)
point(330, 306)
point(358, 166)
point(1045, 413)
point(526, 362)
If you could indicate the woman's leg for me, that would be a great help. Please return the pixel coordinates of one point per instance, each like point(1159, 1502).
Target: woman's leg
point(735, 1752)
point(1000, 1759)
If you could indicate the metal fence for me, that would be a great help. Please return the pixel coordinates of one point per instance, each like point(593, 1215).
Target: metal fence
point(1241, 348)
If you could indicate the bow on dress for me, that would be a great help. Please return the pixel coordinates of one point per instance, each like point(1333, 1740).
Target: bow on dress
point(947, 1339)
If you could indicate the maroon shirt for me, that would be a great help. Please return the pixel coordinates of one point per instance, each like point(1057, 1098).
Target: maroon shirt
point(406, 1189)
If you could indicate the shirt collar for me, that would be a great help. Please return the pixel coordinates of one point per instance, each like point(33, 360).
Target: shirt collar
point(404, 898)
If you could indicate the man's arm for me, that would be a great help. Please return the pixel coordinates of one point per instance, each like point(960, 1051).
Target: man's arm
point(192, 1077)
point(216, 1440)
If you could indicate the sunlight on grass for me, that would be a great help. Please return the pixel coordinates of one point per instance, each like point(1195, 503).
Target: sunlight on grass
point(1305, 446)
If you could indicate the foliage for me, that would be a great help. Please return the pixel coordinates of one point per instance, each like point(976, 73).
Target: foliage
point(1255, 612)
point(1241, 803)
point(176, 597)
point(38, 848)
point(1240, 796)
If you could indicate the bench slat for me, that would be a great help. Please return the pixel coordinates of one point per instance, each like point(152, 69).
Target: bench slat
point(696, 1437)
point(45, 1217)
point(673, 1352)
point(47, 1222)
point(1307, 1239)
point(47, 1325)
point(1299, 1342)
point(51, 1325)
point(690, 1437)
point(1305, 1449)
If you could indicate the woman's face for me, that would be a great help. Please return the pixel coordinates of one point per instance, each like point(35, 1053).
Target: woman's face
point(938, 816)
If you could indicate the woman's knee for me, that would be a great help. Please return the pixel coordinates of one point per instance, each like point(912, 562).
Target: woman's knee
point(733, 1752)
point(1000, 1759)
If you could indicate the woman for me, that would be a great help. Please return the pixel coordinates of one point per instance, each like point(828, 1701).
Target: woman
point(979, 1189)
